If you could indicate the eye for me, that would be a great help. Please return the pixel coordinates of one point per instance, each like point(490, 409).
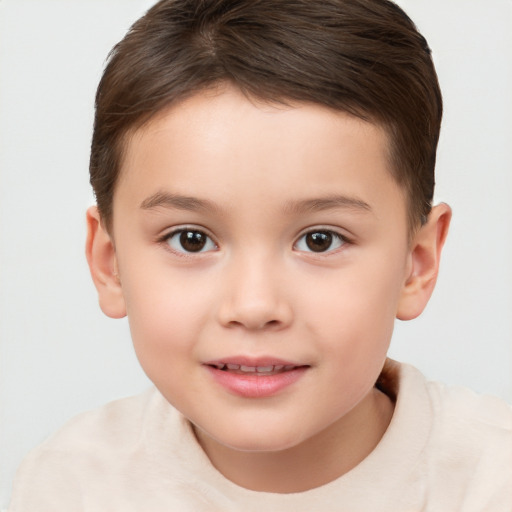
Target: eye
point(190, 240)
point(321, 240)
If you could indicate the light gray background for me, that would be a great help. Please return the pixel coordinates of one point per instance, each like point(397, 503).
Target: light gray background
point(59, 355)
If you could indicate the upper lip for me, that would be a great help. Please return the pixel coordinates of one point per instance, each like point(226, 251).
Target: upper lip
point(265, 361)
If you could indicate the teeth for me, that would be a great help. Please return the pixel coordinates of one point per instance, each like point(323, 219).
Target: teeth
point(262, 369)
point(253, 369)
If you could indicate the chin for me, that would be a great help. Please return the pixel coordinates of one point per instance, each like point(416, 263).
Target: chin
point(256, 439)
point(260, 445)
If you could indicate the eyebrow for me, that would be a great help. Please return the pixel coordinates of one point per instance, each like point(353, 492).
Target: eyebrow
point(188, 203)
point(328, 203)
point(175, 201)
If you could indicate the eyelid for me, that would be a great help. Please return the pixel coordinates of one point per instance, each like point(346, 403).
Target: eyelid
point(337, 232)
point(329, 228)
point(170, 232)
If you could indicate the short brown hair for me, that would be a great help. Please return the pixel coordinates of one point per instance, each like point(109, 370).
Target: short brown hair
point(363, 57)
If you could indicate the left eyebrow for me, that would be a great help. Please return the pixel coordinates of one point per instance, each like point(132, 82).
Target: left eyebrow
point(327, 203)
point(177, 202)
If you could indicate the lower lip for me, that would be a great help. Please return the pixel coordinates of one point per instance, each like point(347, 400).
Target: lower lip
point(256, 385)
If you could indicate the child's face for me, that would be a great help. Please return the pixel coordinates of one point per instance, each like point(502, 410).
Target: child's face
point(260, 236)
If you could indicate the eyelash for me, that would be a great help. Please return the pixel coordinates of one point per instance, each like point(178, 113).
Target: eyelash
point(209, 242)
point(329, 235)
point(333, 237)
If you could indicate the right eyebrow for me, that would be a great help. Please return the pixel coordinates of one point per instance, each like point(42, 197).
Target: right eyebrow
point(177, 202)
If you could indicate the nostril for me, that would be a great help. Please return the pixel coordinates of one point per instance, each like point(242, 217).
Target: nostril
point(256, 325)
point(254, 313)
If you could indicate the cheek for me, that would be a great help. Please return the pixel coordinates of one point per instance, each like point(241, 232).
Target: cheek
point(355, 311)
point(165, 316)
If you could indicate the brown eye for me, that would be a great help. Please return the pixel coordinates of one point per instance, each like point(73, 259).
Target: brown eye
point(190, 240)
point(320, 241)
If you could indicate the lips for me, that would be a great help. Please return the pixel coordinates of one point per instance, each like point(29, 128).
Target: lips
point(250, 378)
point(260, 369)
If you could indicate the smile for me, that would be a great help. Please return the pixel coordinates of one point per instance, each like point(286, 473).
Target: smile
point(254, 379)
point(257, 370)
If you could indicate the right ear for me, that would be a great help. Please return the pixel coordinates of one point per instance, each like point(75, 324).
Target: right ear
point(102, 260)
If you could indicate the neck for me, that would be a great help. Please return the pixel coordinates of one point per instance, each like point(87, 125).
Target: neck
point(318, 460)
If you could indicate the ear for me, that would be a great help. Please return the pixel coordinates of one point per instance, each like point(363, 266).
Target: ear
point(424, 263)
point(101, 257)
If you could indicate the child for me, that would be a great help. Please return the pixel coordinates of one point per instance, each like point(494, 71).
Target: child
point(264, 178)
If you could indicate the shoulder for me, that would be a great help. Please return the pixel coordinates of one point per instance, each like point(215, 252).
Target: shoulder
point(464, 416)
point(468, 450)
point(108, 427)
point(453, 406)
point(476, 427)
point(89, 449)
point(482, 410)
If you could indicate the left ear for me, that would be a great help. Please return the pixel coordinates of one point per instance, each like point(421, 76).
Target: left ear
point(424, 263)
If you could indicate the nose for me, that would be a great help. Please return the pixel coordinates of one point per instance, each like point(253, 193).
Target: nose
point(255, 297)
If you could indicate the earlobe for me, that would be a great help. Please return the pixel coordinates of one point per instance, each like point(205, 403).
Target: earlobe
point(424, 261)
point(101, 257)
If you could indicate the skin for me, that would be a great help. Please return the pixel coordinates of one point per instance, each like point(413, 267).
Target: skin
point(261, 176)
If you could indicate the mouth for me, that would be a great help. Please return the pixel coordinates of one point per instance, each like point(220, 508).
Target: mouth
point(251, 378)
point(268, 369)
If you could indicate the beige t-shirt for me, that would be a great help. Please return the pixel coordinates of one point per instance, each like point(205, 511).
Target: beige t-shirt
point(446, 450)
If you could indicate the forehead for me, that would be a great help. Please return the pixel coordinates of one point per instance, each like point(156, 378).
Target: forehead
point(222, 145)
